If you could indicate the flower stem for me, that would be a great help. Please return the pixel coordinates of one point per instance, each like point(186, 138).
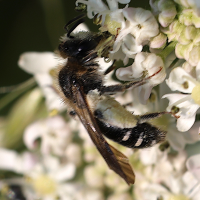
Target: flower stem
point(163, 54)
point(20, 89)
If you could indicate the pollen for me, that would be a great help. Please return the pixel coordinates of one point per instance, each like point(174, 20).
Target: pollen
point(112, 26)
point(196, 94)
point(185, 85)
point(53, 112)
point(178, 197)
point(175, 109)
point(44, 185)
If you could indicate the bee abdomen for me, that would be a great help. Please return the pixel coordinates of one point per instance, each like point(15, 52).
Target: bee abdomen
point(141, 136)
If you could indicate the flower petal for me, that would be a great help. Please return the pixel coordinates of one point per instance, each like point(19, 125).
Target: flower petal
point(11, 158)
point(33, 62)
point(185, 124)
point(32, 132)
point(65, 172)
point(12, 161)
point(193, 165)
point(177, 78)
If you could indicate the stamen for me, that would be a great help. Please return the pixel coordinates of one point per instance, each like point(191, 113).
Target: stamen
point(175, 109)
point(191, 79)
point(44, 185)
point(187, 98)
point(97, 20)
point(185, 85)
point(152, 97)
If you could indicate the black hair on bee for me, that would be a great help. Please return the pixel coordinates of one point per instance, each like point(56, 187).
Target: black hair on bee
point(83, 87)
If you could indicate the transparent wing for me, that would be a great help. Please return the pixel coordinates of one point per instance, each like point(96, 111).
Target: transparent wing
point(117, 161)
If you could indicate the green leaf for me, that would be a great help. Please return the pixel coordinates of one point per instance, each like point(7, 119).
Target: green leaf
point(20, 116)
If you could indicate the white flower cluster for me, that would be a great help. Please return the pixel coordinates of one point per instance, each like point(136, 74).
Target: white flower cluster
point(61, 162)
point(180, 21)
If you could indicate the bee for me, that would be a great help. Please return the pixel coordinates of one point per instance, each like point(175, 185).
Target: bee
point(84, 91)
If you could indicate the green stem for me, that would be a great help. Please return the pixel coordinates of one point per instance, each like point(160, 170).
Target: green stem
point(16, 92)
point(163, 54)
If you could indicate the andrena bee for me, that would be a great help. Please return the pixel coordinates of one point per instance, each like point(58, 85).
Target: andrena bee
point(85, 93)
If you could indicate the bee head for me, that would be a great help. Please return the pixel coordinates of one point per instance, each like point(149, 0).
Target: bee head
point(79, 46)
point(84, 46)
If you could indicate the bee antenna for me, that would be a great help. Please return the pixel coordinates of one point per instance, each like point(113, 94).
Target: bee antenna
point(79, 19)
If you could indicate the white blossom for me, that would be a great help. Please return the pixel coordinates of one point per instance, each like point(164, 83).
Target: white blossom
point(140, 27)
point(54, 133)
point(145, 64)
point(193, 165)
point(194, 4)
point(45, 176)
point(40, 65)
point(188, 103)
point(165, 177)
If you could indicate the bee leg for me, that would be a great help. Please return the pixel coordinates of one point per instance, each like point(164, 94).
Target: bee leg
point(112, 89)
point(149, 116)
point(104, 47)
point(86, 60)
point(111, 68)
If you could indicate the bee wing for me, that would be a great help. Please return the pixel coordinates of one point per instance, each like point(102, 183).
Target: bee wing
point(117, 161)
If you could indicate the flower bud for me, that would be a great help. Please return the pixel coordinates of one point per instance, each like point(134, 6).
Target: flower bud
point(159, 41)
point(168, 12)
point(194, 55)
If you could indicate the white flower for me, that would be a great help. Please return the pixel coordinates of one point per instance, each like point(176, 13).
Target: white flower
point(165, 177)
point(186, 104)
point(40, 65)
point(145, 64)
point(23, 163)
point(192, 177)
point(47, 177)
point(94, 175)
point(54, 133)
point(139, 28)
point(99, 7)
point(194, 4)
point(93, 7)
point(193, 165)
point(178, 140)
point(134, 27)
point(165, 9)
point(141, 24)
point(73, 153)
point(120, 196)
